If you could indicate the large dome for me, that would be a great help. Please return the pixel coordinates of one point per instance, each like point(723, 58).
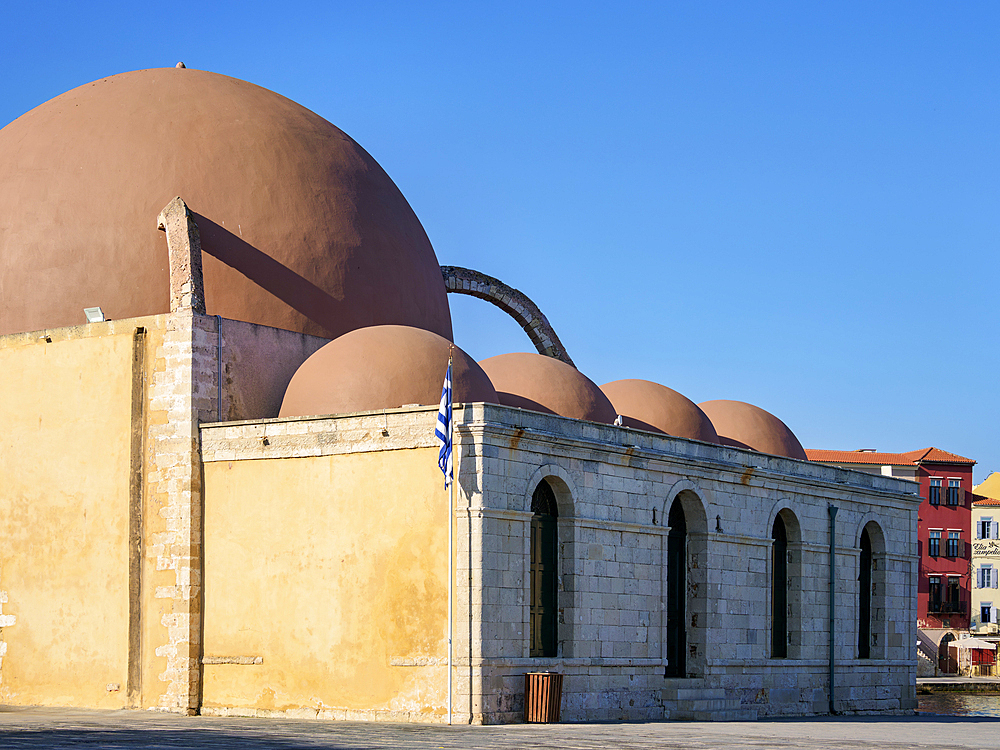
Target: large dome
point(646, 405)
point(282, 198)
point(747, 426)
point(382, 367)
point(540, 383)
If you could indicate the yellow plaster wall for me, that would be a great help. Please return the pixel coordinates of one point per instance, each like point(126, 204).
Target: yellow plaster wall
point(989, 488)
point(331, 569)
point(64, 464)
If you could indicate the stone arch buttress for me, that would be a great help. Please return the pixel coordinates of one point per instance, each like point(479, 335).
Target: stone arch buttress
point(515, 303)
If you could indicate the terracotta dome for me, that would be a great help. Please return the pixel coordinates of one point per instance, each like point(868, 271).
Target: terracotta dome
point(382, 367)
point(646, 405)
point(540, 383)
point(747, 426)
point(282, 198)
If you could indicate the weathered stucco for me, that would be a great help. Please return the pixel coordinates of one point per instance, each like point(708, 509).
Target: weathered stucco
point(100, 570)
point(257, 364)
point(331, 570)
point(64, 464)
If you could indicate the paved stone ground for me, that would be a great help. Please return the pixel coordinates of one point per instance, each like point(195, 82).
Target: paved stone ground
point(75, 728)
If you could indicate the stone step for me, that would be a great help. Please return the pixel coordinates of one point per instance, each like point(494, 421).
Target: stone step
point(704, 705)
point(734, 714)
point(692, 693)
point(684, 701)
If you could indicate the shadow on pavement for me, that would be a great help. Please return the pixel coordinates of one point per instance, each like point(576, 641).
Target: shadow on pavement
point(157, 739)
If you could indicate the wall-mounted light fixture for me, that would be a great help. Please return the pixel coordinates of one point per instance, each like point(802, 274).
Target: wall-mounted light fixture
point(94, 314)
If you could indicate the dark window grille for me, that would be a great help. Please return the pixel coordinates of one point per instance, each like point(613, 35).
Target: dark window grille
point(544, 579)
point(676, 592)
point(779, 589)
point(865, 598)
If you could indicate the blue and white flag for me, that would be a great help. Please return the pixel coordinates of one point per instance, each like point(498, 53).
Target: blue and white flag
point(443, 430)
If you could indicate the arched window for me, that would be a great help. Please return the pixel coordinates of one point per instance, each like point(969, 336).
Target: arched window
point(865, 598)
point(676, 592)
point(544, 576)
point(779, 589)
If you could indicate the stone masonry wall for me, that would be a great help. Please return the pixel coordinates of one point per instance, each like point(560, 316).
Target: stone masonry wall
point(609, 482)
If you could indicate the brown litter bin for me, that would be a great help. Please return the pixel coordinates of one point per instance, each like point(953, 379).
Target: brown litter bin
point(542, 697)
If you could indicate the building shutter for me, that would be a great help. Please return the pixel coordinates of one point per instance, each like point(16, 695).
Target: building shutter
point(993, 614)
point(961, 548)
point(979, 578)
point(993, 530)
point(995, 580)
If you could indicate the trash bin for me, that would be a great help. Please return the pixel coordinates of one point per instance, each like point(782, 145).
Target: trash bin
point(542, 697)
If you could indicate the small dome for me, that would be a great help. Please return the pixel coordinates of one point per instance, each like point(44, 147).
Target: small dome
point(645, 405)
point(540, 383)
point(382, 367)
point(279, 194)
point(747, 426)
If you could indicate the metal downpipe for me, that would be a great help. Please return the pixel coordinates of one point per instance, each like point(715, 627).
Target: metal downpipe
point(833, 596)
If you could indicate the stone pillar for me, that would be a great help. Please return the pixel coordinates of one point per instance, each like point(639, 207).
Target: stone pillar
point(182, 394)
point(187, 285)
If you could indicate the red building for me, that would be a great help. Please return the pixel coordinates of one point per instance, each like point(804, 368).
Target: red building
point(944, 527)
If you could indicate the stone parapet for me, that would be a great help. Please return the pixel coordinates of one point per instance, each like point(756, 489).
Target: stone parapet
point(300, 437)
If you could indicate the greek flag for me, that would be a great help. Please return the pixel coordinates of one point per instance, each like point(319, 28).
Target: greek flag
point(443, 430)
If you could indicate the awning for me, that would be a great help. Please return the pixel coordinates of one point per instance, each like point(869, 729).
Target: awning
point(973, 643)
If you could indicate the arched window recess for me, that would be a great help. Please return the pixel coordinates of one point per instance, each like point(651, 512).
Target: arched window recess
point(543, 625)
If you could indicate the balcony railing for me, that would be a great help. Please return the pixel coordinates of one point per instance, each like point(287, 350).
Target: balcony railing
point(952, 607)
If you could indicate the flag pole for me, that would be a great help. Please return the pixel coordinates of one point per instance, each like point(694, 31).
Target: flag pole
point(444, 434)
point(451, 537)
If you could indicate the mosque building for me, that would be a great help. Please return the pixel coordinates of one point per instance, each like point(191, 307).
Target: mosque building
point(221, 495)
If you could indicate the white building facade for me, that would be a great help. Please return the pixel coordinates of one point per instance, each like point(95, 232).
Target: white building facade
point(986, 566)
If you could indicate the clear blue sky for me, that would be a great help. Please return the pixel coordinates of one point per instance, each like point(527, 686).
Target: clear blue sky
point(788, 203)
